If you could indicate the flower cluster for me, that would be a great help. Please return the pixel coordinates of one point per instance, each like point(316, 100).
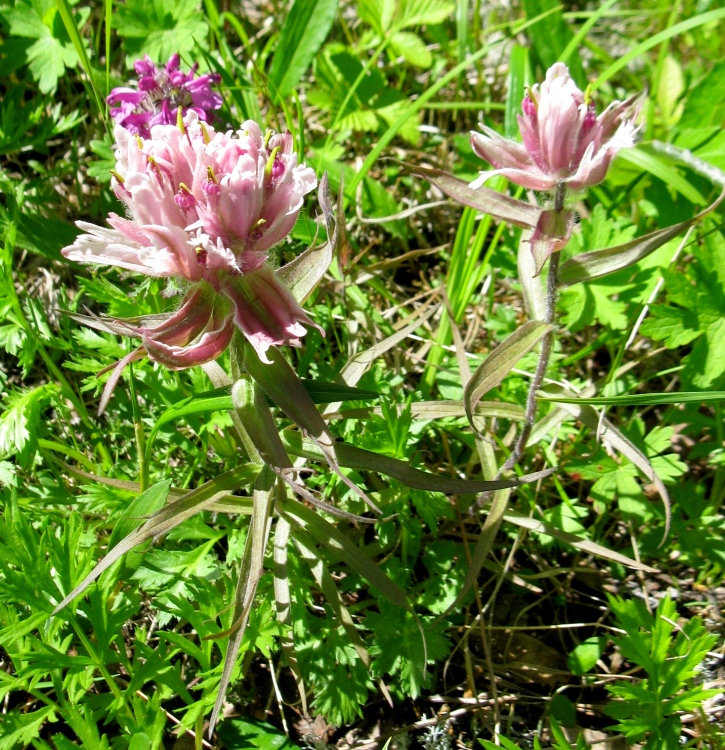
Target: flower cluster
point(205, 207)
point(564, 142)
point(159, 95)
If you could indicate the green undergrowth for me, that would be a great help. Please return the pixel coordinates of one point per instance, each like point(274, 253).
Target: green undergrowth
point(585, 620)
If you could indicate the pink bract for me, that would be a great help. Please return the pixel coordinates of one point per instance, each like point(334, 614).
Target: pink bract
point(564, 142)
point(205, 207)
point(160, 93)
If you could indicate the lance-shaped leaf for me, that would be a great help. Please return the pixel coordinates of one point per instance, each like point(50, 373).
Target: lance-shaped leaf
point(249, 575)
point(360, 363)
point(325, 533)
point(585, 545)
point(597, 263)
point(327, 585)
point(443, 409)
point(643, 399)
point(607, 431)
point(358, 458)
point(167, 518)
point(304, 273)
point(282, 385)
point(499, 363)
point(498, 205)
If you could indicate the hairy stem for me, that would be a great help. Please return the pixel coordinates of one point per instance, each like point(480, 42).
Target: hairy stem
point(547, 344)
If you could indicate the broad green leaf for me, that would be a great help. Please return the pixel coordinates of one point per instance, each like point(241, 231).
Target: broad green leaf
point(144, 505)
point(586, 654)
point(596, 263)
point(305, 28)
point(501, 207)
point(499, 363)
point(675, 326)
point(159, 28)
point(412, 48)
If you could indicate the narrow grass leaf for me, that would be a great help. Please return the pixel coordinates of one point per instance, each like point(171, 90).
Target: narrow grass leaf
point(66, 14)
point(576, 41)
point(668, 174)
point(679, 28)
point(501, 361)
point(642, 399)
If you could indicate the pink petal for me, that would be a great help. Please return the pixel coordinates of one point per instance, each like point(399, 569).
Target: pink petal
point(265, 310)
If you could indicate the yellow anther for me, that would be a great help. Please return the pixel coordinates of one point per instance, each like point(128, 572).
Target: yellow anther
point(270, 162)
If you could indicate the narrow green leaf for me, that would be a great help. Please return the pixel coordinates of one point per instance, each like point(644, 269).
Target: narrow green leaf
point(305, 28)
point(638, 157)
point(518, 79)
point(325, 533)
point(167, 518)
point(501, 361)
point(592, 548)
point(642, 399)
point(359, 364)
point(358, 458)
point(324, 392)
point(66, 13)
point(251, 571)
point(656, 39)
point(440, 410)
point(596, 263)
point(576, 42)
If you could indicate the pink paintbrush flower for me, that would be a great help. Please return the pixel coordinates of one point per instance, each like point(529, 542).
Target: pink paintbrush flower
point(564, 142)
point(204, 207)
point(160, 93)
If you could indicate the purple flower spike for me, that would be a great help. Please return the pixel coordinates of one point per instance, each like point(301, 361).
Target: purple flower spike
point(160, 92)
point(564, 142)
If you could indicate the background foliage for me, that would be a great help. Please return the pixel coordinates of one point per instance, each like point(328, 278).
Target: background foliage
point(554, 642)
